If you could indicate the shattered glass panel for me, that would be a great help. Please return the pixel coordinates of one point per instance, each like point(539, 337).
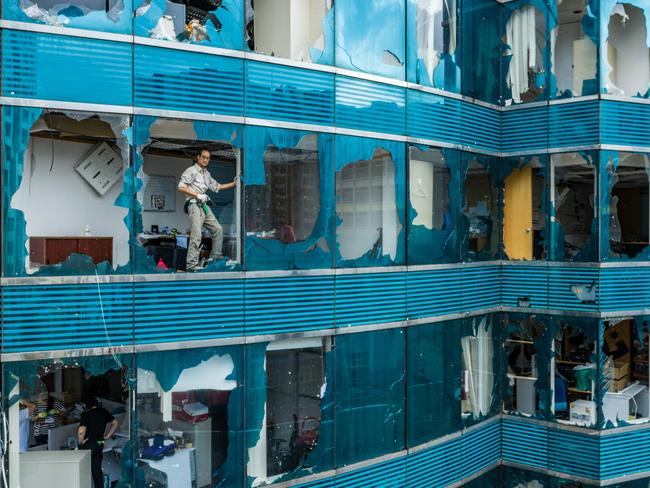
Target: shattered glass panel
point(44, 400)
point(371, 38)
point(526, 51)
point(370, 196)
point(479, 191)
point(370, 393)
point(625, 208)
point(217, 23)
point(289, 199)
point(433, 205)
point(481, 47)
point(524, 208)
point(189, 411)
point(289, 409)
point(574, 222)
point(52, 161)
point(625, 348)
point(575, 370)
point(574, 54)
point(432, 43)
point(301, 31)
point(433, 368)
point(100, 15)
point(169, 235)
point(480, 378)
point(526, 365)
point(625, 59)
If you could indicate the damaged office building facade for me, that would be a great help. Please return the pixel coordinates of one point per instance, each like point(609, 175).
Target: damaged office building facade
point(436, 263)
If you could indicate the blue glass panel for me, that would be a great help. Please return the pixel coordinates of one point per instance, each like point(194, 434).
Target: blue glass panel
point(370, 37)
point(369, 388)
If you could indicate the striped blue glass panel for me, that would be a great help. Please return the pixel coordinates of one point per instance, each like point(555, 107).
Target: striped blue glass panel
point(624, 289)
point(574, 453)
point(49, 317)
point(438, 466)
point(432, 293)
point(480, 127)
point(390, 474)
point(524, 442)
point(366, 105)
point(573, 124)
point(525, 129)
point(286, 93)
point(170, 79)
point(434, 117)
point(480, 287)
point(71, 69)
point(625, 123)
point(524, 286)
point(624, 454)
point(370, 298)
point(322, 483)
point(573, 288)
point(292, 304)
point(480, 448)
point(188, 310)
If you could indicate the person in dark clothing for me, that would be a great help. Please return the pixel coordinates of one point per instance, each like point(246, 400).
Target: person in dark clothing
point(90, 435)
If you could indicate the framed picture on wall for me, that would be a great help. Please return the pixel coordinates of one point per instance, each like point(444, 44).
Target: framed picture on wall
point(160, 194)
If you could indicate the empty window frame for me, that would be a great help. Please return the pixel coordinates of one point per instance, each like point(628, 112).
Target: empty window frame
point(68, 190)
point(625, 345)
point(626, 53)
point(432, 30)
point(46, 400)
point(433, 206)
point(480, 201)
point(628, 180)
point(573, 207)
point(168, 150)
point(575, 371)
point(370, 222)
point(574, 55)
point(299, 30)
point(100, 15)
point(295, 423)
point(526, 374)
point(186, 423)
point(480, 363)
point(526, 45)
point(524, 209)
point(218, 23)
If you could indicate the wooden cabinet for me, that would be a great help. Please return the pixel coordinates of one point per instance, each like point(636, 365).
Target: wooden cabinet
point(55, 250)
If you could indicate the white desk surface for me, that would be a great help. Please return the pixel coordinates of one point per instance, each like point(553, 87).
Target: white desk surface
point(628, 392)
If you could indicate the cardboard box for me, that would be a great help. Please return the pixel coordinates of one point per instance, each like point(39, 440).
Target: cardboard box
point(619, 371)
point(617, 385)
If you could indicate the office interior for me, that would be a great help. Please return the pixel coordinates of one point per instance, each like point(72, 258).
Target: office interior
point(66, 388)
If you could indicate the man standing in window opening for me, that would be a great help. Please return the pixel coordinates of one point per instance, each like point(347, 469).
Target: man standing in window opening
point(195, 182)
point(90, 435)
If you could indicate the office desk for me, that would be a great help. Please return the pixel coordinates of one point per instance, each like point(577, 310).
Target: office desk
point(176, 471)
point(616, 406)
point(163, 246)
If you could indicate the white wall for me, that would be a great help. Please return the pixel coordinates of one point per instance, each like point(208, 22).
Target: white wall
point(629, 56)
point(289, 28)
point(563, 62)
point(61, 203)
point(166, 166)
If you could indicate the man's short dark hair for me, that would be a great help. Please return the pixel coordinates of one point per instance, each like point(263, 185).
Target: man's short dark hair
point(204, 148)
point(91, 402)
